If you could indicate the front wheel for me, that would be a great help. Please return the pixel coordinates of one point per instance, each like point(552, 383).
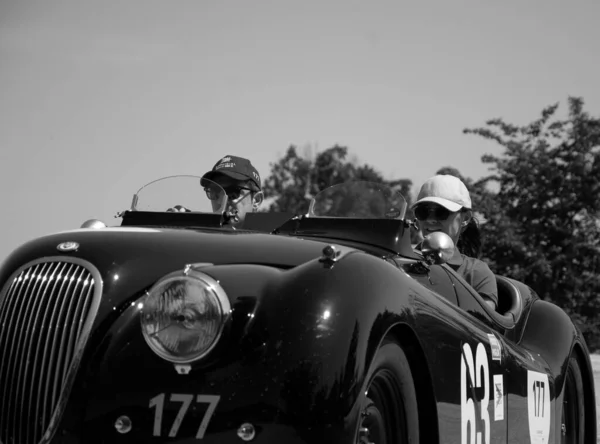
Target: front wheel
point(573, 411)
point(389, 414)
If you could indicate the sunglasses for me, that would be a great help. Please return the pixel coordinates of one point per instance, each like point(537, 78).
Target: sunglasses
point(423, 212)
point(233, 193)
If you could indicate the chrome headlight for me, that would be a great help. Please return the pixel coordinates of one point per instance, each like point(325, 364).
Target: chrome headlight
point(183, 316)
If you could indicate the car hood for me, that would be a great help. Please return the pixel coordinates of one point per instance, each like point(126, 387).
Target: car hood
point(140, 256)
point(172, 247)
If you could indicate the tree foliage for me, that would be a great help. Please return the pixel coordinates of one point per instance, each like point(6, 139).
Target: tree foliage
point(543, 224)
point(296, 179)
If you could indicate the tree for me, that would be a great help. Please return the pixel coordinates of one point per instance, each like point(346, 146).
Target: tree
point(295, 179)
point(543, 225)
point(289, 185)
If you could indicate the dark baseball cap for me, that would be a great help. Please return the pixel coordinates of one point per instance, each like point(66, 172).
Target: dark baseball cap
point(235, 167)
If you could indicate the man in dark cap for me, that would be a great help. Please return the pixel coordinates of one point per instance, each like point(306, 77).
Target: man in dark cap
point(241, 182)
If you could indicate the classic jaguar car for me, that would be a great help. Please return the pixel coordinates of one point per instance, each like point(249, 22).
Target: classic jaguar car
point(325, 327)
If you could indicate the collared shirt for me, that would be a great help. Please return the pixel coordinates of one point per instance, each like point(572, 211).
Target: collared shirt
point(476, 273)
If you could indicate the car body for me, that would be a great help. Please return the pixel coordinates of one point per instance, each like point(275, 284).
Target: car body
point(325, 327)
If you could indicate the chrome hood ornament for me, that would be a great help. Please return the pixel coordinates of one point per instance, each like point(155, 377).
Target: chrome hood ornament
point(67, 246)
point(93, 223)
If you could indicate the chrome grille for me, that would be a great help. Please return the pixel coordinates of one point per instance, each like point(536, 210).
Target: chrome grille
point(46, 311)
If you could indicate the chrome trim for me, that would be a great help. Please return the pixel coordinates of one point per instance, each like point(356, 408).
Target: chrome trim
point(134, 202)
point(68, 246)
point(224, 305)
point(332, 254)
point(37, 297)
point(95, 224)
point(196, 266)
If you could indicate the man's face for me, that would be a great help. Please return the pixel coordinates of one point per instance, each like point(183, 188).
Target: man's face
point(239, 198)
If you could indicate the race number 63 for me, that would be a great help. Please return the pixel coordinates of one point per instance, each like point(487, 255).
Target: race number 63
point(476, 371)
point(158, 403)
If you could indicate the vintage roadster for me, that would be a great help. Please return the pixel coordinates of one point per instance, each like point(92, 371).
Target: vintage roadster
point(319, 328)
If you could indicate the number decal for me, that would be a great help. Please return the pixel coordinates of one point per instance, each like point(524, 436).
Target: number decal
point(481, 365)
point(477, 373)
point(538, 405)
point(185, 400)
point(158, 402)
point(212, 401)
point(467, 407)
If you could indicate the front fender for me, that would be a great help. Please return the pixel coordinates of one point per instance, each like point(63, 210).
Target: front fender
point(294, 361)
point(551, 334)
point(324, 325)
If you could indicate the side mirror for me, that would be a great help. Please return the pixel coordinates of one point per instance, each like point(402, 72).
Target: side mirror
point(437, 248)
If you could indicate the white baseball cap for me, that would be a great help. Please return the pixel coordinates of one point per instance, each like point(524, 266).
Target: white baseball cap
point(445, 190)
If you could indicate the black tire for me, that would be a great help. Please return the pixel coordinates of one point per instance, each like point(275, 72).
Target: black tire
point(573, 411)
point(389, 413)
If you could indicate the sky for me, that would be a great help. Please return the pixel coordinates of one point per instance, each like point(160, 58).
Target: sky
point(99, 98)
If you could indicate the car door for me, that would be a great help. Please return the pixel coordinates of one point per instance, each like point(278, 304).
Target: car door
point(465, 360)
point(479, 368)
point(433, 278)
point(522, 382)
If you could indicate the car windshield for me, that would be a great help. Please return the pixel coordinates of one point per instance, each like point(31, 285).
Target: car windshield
point(365, 200)
point(180, 193)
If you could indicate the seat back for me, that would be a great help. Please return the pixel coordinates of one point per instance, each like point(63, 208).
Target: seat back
point(510, 301)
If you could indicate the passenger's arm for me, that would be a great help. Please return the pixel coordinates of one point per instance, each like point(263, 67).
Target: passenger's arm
point(489, 301)
point(484, 282)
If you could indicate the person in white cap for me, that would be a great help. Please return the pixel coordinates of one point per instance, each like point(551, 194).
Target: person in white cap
point(444, 204)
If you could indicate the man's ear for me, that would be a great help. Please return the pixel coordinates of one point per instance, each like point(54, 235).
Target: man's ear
point(257, 199)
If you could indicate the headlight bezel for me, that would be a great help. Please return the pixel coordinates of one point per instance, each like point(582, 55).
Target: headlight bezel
point(224, 308)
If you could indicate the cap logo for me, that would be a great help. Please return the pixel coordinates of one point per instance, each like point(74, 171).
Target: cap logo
point(225, 165)
point(256, 176)
point(225, 159)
